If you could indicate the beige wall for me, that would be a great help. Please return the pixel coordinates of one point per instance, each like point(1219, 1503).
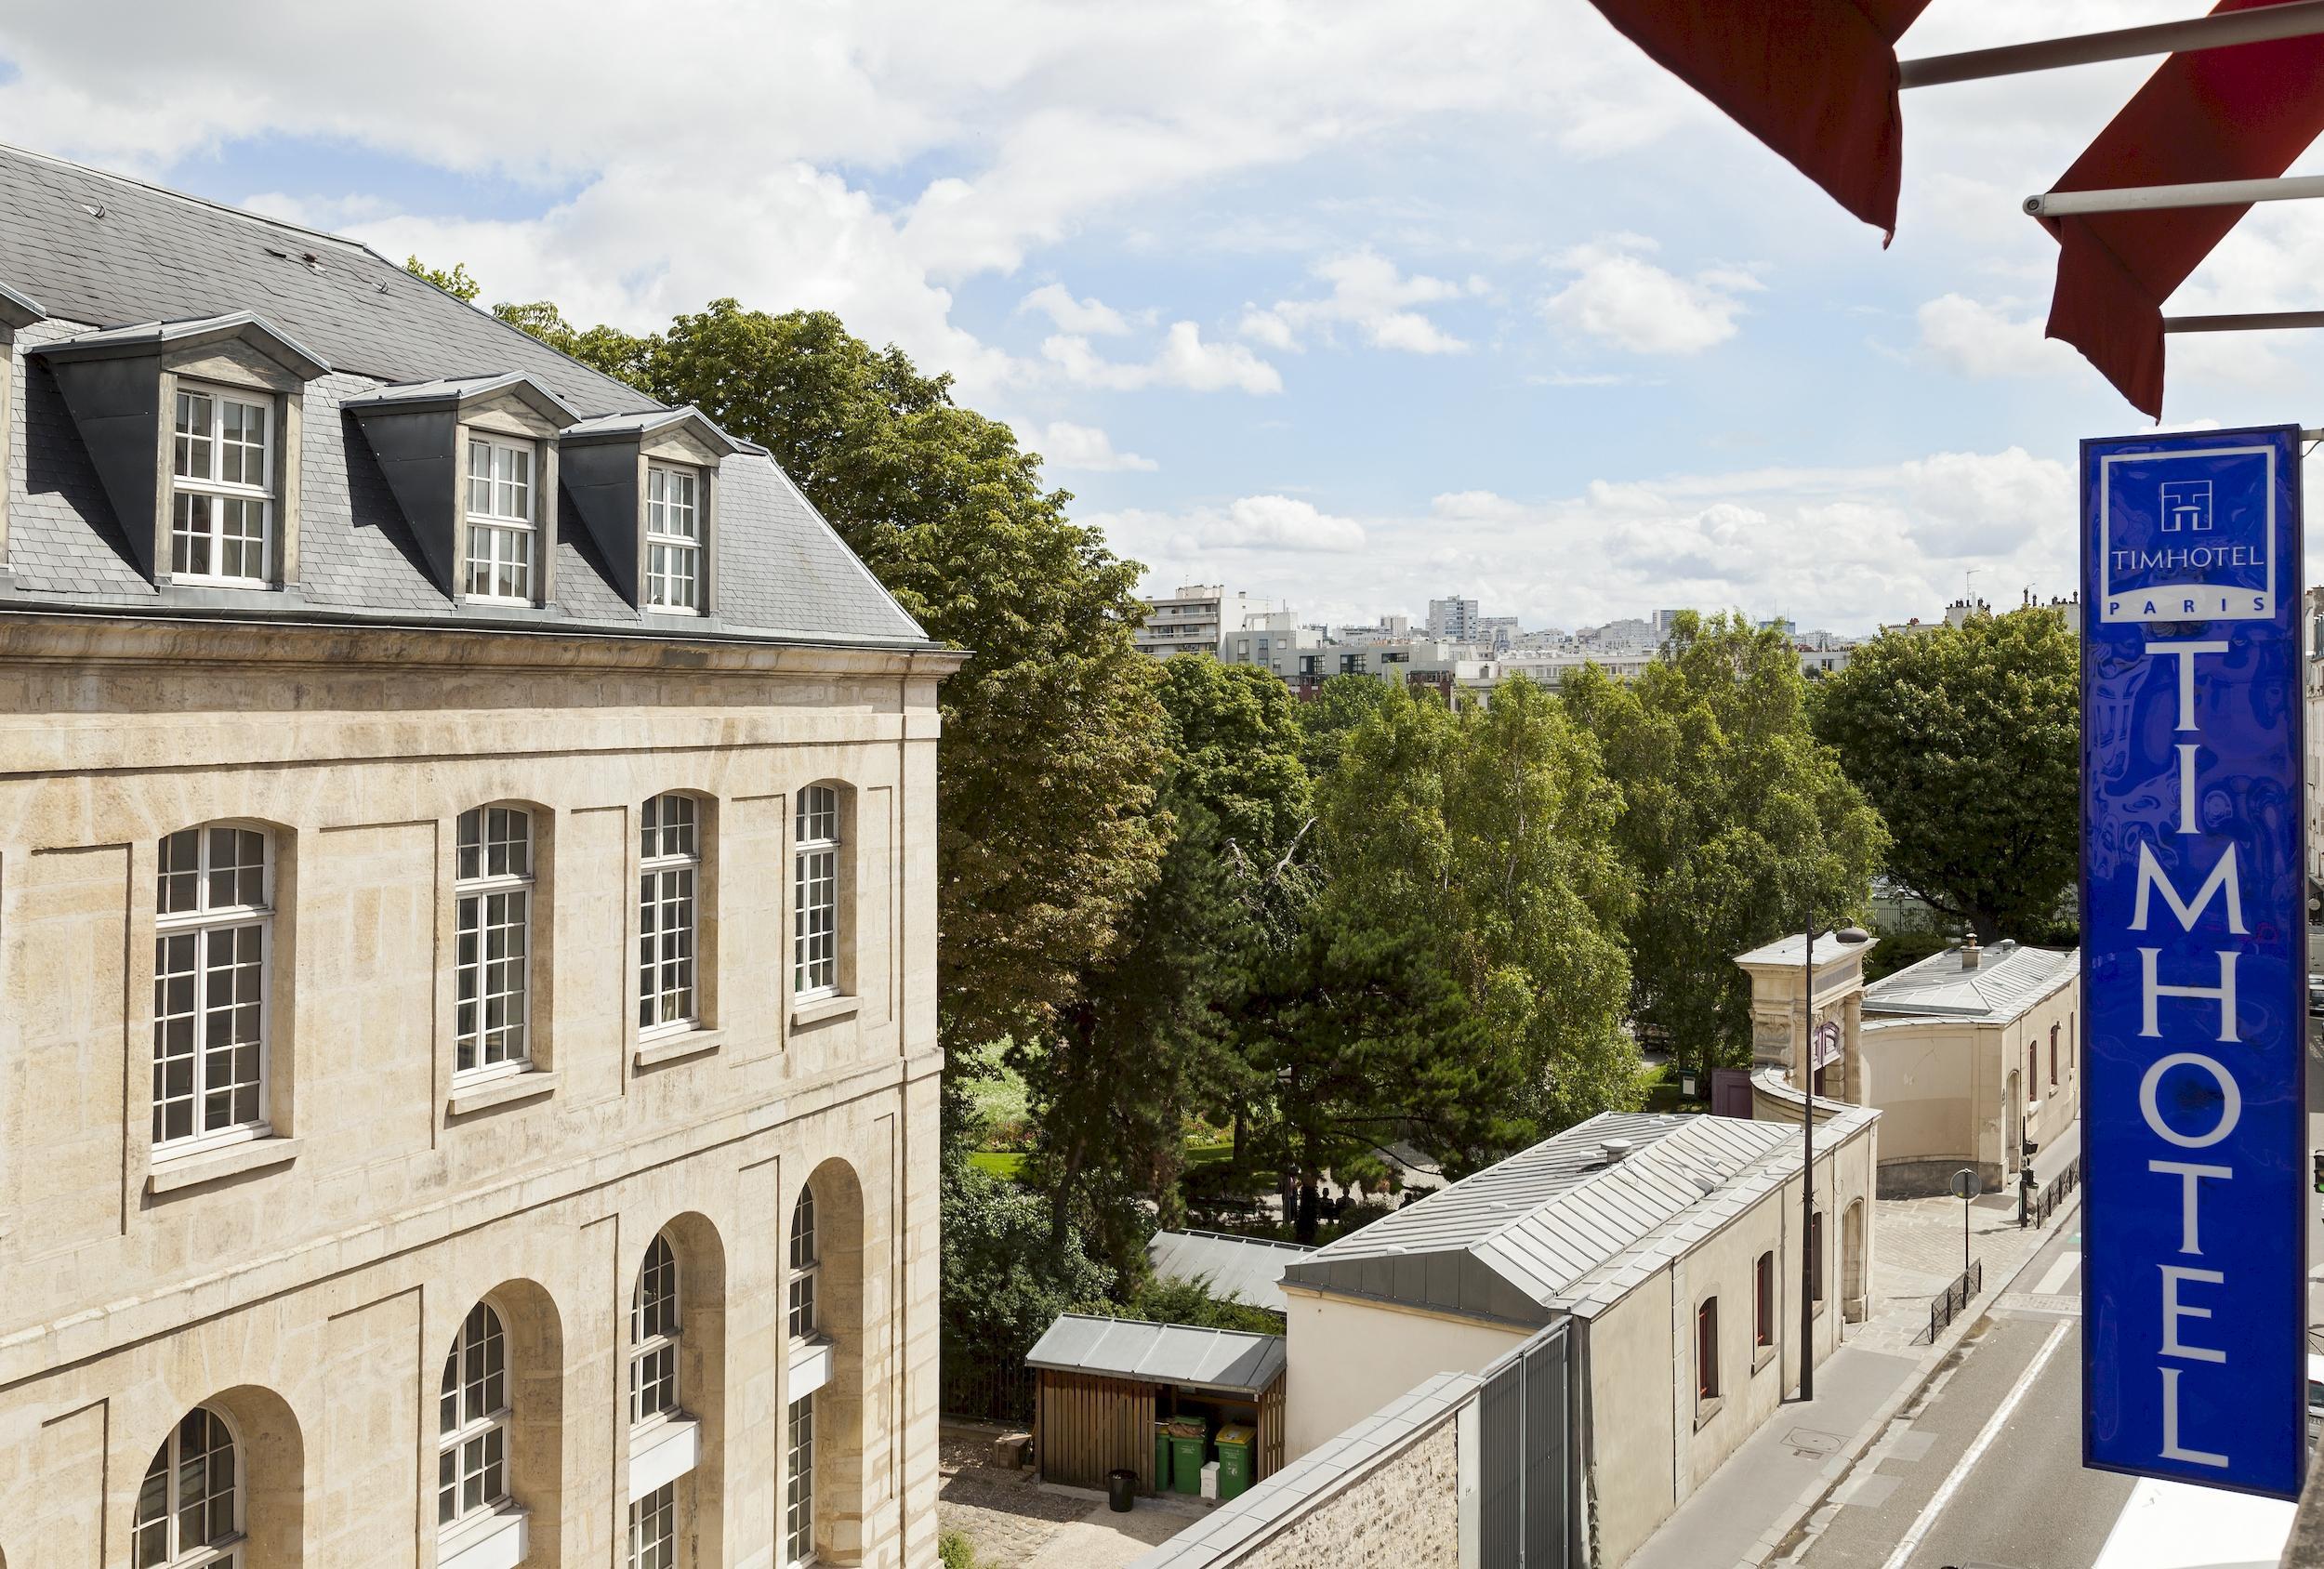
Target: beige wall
point(1346, 1358)
point(1654, 1443)
point(314, 1297)
point(1945, 1089)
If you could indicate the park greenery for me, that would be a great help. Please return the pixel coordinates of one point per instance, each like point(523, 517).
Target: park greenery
point(1203, 942)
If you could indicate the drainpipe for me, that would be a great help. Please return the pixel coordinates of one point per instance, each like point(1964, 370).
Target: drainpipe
point(1581, 1524)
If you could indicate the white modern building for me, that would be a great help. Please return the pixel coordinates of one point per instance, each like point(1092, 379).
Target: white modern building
point(1455, 619)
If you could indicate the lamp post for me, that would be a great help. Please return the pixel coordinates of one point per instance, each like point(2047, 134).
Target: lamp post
point(1809, 1051)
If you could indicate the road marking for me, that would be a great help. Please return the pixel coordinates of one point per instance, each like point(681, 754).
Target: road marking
point(2060, 1272)
point(1992, 1430)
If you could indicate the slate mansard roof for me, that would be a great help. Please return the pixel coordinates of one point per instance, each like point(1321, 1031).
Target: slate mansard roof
point(99, 253)
point(1559, 1228)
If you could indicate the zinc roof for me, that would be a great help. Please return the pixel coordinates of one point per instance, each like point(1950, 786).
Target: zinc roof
point(1554, 1227)
point(1159, 1354)
point(2006, 983)
point(1247, 1269)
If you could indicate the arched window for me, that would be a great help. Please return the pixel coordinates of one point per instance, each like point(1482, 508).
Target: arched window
point(653, 1336)
point(493, 894)
point(189, 1505)
point(669, 862)
point(213, 920)
point(806, 1264)
point(472, 1420)
point(815, 894)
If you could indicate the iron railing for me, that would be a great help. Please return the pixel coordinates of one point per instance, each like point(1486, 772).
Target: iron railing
point(2036, 1205)
point(984, 1393)
point(1954, 1299)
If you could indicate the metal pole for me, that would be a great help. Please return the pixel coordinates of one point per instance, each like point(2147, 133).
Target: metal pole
point(2295, 19)
point(2156, 198)
point(1808, 1164)
point(2249, 322)
point(1965, 1242)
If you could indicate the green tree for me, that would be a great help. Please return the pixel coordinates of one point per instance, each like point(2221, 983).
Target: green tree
point(1340, 703)
point(1734, 821)
point(1968, 740)
point(1140, 1048)
point(1005, 1278)
point(1495, 824)
point(456, 282)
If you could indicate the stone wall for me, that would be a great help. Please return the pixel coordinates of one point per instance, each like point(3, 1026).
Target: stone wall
point(1402, 1513)
point(307, 1286)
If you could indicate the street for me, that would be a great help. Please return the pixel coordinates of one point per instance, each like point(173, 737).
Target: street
point(1985, 1467)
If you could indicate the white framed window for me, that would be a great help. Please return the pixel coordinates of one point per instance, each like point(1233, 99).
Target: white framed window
point(669, 863)
point(815, 893)
point(221, 489)
point(472, 1420)
point(806, 1266)
point(673, 540)
point(500, 529)
point(213, 927)
point(653, 1336)
point(188, 1513)
point(492, 890)
point(654, 1529)
point(799, 1487)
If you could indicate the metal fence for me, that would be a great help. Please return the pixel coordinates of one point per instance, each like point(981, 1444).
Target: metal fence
point(983, 1393)
point(1525, 1413)
point(1950, 1306)
point(2043, 1201)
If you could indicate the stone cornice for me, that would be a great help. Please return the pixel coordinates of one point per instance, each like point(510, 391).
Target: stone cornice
point(314, 642)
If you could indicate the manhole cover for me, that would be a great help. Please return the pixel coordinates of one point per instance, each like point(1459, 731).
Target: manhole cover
point(1809, 1441)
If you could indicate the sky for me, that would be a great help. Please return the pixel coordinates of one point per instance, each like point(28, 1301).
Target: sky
point(1349, 305)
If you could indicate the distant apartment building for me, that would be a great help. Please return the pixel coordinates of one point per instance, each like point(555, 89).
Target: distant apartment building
point(1454, 619)
point(1552, 668)
point(469, 1074)
point(1192, 618)
point(1498, 633)
point(1273, 640)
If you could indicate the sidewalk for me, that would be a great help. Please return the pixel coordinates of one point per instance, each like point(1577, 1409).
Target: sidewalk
point(1781, 1472)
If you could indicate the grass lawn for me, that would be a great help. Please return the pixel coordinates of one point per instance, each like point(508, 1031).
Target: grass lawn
point(1000, 1162)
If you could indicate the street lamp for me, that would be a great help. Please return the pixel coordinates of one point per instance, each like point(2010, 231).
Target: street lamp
point(1848, 936)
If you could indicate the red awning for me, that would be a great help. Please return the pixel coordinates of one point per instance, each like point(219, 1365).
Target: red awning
point(1815, 80)
point(2241, 112)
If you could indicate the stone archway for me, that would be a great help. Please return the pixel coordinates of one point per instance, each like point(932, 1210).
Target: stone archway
point(701, 1256)
point(536, 1423)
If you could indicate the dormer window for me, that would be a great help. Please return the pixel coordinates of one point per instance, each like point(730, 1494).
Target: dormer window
point(500, 528)
point(673, 540)
point(221, 487)
point(646, 487)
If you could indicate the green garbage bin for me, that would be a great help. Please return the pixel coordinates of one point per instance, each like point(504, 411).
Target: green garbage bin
point(1161, 1456)
point(1234, 1460)
point(1189, 1437)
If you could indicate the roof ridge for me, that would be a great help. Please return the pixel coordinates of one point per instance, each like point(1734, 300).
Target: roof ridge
point(117, 177)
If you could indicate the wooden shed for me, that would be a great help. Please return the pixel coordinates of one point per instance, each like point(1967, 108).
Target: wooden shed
point(1105, 1382)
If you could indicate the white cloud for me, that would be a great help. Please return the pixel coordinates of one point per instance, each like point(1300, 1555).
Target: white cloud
point(1842, 548)
point(1063, 444)
point(1977, 339)
point(1617, 296)
point(1071, 315)
point(1184, 360)
point(1369, 294)
point(1250, 526)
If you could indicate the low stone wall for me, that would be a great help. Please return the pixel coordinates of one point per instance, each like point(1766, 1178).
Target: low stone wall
point(1933, 1178)
point(1403, 1514)
point(1384, 1495)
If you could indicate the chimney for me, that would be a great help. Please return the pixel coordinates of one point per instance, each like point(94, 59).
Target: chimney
point(1615, 1150)
point(1971, 954)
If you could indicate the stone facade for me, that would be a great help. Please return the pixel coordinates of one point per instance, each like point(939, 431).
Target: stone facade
point(306, 1285)
point(1402, 1513)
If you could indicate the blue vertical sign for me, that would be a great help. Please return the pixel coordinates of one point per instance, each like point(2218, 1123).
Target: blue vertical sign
point(2194, 961)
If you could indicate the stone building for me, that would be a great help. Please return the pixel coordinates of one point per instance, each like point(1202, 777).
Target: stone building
point(1966, 1054)
point(1658, 1262)
point(468, 1066)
